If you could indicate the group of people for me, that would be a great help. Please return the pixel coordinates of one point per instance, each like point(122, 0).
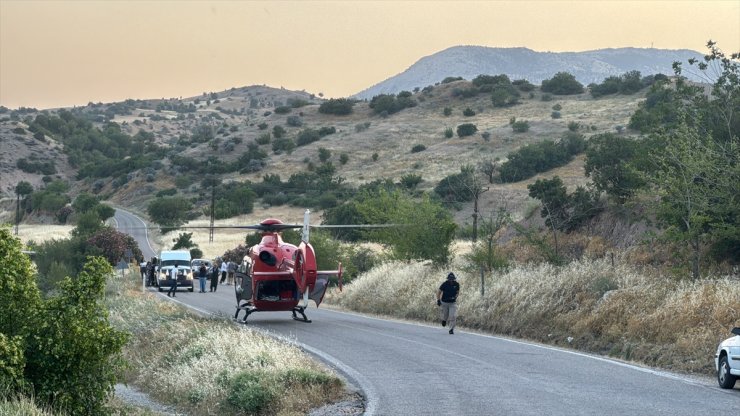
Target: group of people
point(223, 269)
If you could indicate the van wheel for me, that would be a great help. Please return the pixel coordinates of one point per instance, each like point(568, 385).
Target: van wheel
point(160, 288)
point(190, 289)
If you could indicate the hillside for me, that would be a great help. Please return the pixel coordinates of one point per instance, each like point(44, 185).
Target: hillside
point(522, 63)
point(234, 116)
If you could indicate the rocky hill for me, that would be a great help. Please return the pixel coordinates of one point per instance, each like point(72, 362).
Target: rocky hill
point(412, 141)
point(522, 63)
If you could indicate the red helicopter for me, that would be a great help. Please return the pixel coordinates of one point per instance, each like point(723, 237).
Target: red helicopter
point(280, 276)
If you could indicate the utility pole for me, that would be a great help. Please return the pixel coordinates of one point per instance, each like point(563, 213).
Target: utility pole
point(213, 209)
point(476, 195)
point(17, 211)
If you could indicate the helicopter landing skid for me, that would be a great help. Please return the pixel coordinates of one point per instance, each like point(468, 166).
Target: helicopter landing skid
point(303, 314)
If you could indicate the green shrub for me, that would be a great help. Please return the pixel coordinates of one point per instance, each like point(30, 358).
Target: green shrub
point(262, 126)
point(278, 131)
point(337, 106)
point(520, 126)
point(466, 129)
point(447, 80)
point(418, 148)
point(375, 157)
point(343, 158)
point(573, 125)
point(362, 126)
point(562, 83)
point(283, 109)
point(449, 133)
point(468, 112)
point(557, 107)
point(264, 138)
point(247, 392)
point(546, 97)
point(447, 111)
point(410, 181)
point(294, 121)
point(307, 136)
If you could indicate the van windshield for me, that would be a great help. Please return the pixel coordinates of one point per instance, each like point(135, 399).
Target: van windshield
point(170, 263)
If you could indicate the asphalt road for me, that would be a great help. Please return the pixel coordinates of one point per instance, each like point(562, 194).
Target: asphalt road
point(416, 369)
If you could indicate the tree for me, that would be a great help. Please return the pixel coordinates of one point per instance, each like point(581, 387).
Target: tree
point(562, 83)
point(699, 189)
point(489, 167)
point(609, 165)
point(168, 212)
point(337, 106)
point(73, 360)
point(113, 245)
point(183, 240)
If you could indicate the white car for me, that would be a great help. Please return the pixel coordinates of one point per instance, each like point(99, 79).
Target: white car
point(727, 360)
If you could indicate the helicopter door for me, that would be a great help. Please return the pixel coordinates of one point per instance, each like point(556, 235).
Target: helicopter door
point(319, 289)
point(242, 286)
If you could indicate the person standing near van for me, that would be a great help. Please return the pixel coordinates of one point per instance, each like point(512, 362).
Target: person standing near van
point(202, 276)
point(224, 270)
point(446, 300)
point(214, 277)
point(173, 286)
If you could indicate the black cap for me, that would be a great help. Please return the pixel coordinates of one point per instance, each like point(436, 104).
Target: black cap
point(451, 276)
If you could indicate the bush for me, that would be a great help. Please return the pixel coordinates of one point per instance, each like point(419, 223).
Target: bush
point(390, 104)
point(447, 80)
point(307, 136)
point(343, 159)
point(418, 148)
point(264, 138)
point(557, 107)
point(562, 83)
point(338, 106)
point(294, 121)
point(447, 111)
point(520, 126)
point(449, 133)
point(248, 392)
point(466, 129)
point(573, 125)
point(468, 112)
point(283, 109)
point(278, 131)
point(362, 126)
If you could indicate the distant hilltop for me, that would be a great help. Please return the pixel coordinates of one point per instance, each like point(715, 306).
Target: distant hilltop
point(521, 63)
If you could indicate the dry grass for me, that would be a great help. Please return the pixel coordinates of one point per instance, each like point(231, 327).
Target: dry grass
point(190, 362)
point(616, 310)
point(40, 233)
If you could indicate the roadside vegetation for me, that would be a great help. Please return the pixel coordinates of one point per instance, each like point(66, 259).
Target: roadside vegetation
point(619, 310)
point(104, 330)
point(208, 366)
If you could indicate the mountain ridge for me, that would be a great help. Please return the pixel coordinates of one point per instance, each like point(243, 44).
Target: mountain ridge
point(469, 61)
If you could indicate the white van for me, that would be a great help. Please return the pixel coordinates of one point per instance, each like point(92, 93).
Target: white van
point(168, 259)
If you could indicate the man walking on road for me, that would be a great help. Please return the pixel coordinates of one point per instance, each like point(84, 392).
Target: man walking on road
point(446, 298)
point(173, 287)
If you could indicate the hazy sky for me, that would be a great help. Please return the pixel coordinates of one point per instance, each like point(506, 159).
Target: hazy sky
point(64, 53)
